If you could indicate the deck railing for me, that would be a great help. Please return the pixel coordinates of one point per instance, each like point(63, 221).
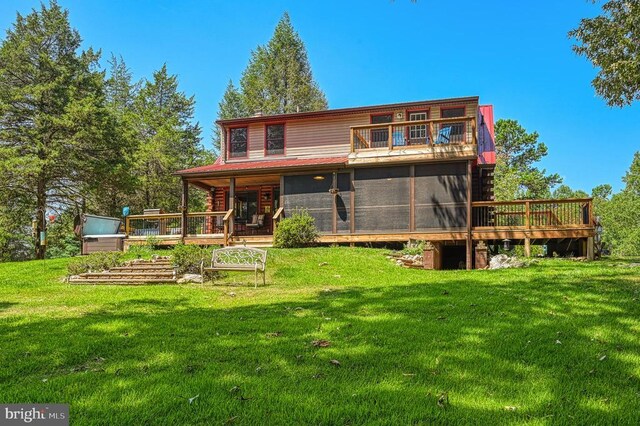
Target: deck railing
point(171, 224)
point(527, 214)
point(422, 133)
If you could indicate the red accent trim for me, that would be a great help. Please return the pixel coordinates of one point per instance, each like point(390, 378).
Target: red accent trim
point(284, 135)
point(266, 164)
point(229, 143)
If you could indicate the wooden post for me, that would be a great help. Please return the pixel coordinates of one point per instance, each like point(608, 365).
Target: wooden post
point(474, 134)
point(412, 198)
point(431, 141)
point(353, 147)
point(232, 204)
point(390, 137)
point(527, 247)
point(590, 249)
point(482, 258)
point(469, 237)
point(352, 202)
point(334, 208)
point(185, 207)
point(527, 214)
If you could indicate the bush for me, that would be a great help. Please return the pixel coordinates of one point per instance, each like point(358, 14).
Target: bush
point(298, 230)
point(94, 262)
point(413, 248)
point(187, 258)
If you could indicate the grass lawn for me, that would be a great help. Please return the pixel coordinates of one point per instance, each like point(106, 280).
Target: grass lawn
point(556, 343)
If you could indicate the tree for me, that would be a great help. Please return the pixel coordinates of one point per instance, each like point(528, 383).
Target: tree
point(611, 42)
point(278, 78)
point(108, 196)
point(53, 123)
point(231, 106)
point(516, 175)
point(565, 191)
point(620, 219)
point(168, 140)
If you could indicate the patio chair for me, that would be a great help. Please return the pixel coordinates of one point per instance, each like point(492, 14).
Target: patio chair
point(257, 222)
point(398, 138)
point(444, 135)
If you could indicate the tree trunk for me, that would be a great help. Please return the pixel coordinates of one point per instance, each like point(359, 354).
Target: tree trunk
point(41, 225)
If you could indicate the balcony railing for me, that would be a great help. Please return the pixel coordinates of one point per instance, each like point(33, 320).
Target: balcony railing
point(418, 134)
point(529, 214)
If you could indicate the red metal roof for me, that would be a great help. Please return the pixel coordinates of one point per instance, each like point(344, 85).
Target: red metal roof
point(218, 166)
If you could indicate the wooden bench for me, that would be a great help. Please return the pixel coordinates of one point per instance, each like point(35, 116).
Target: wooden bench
point(238, 259)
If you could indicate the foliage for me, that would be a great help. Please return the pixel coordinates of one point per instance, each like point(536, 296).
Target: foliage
point(188, 257)
point(413, 248)
point(516, 176)
point(279, 79)
point(619, 215)
point(555, 343)
point(94, 262)
point(54, 127)
point(168, 140)
point(611, 42)
point(61, 241)
point(565, 191)
point(298, 230)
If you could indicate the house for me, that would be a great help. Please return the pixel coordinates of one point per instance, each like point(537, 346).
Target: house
point(384, 173)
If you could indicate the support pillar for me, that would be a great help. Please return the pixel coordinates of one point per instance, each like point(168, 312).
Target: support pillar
point(590, 249)
point(184, 207)
point(432, 256)
point(232, 204)
point(527, 247)
point(482, 255)
point(469, 212)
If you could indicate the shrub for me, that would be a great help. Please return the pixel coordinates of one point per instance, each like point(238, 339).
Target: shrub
point(298, 230)
point(187, 258)
point(94, 262)
point(414, 247)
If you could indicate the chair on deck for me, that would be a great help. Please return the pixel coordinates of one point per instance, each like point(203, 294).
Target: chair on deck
point(257, 222)
point(444, 135)
point(398, 138)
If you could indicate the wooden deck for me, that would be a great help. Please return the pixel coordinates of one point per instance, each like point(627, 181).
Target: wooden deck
point(526, 221)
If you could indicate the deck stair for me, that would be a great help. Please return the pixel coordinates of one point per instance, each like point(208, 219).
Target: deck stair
point(135, 273)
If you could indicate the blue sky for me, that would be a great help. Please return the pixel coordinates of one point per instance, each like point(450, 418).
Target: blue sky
point(514, 55)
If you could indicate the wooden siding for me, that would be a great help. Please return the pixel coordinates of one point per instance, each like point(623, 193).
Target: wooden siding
point(328, 136)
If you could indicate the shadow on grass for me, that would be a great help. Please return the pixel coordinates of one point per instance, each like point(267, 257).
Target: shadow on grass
point(554, 347)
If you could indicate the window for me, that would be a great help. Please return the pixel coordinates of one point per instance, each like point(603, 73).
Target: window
point(246, 205)
point(418, 133)
point(380, 137)
point(275, 139)
point(238, 142)
point(457, 129)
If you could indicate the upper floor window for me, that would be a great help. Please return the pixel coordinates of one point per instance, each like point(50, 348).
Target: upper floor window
point(238, 142)
point(275, 139)
point(418, 133)
point(379, 137)
point(453, 112)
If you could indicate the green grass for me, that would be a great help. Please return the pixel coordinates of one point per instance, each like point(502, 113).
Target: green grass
point(559, 341)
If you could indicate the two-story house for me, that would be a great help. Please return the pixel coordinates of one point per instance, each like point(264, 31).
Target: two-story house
point(384, 173)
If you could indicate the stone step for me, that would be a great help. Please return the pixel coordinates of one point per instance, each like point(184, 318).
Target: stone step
point(141, 268)
point(129, 281)
point(124, 275)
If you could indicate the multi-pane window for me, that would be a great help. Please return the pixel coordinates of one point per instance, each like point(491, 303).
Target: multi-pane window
point(238, 142)
point(379, 137)
point(457, 129)
point(275, 139)
point(418, 133)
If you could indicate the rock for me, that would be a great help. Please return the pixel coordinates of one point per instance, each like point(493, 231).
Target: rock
point(502, 261)
point(190, 278)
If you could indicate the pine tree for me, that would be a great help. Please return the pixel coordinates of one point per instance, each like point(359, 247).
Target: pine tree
point(516, 176)
point(168, 140)
point(278, 78)
point(53, 124)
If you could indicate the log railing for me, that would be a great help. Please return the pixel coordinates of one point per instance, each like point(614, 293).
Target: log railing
point(401, 135)
point(528, 214)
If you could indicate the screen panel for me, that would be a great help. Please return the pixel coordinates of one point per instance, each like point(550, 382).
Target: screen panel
point(312, 194)
point(441, 196)
point(382, 199)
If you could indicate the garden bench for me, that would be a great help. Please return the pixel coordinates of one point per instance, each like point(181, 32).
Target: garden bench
point(238, 259)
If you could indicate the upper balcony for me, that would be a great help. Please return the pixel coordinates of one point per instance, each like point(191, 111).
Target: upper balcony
point(441, 138)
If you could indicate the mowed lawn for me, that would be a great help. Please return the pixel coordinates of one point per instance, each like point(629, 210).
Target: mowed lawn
point(556, 343)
